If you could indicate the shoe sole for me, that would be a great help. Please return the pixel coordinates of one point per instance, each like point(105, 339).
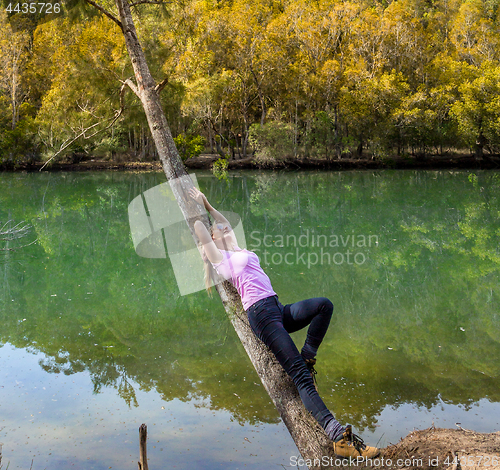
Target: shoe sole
point(358, 457)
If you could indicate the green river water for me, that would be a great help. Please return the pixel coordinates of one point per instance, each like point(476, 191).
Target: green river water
point(95, 340)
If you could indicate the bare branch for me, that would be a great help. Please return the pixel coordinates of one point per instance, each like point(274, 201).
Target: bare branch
point(105, 12)
point(161, 85)
point(123, 89)
point(18, 247)
point(150, 2)
point(85, 109)
point(67, 144)
point(13, 233)
point(132, 86)
point(115, 118)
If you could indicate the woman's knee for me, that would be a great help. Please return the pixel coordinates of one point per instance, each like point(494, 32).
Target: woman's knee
point(326, 305)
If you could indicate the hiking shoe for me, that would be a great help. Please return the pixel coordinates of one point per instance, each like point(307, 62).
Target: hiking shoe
point(351, 445)
point(310, 363)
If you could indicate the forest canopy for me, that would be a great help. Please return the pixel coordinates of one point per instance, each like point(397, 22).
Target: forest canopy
point(280, 79)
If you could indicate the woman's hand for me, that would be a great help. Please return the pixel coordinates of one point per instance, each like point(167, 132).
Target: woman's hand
point(200, 198)
point(197, 195)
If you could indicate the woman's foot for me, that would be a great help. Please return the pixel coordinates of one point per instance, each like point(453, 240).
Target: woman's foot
point(351, 445)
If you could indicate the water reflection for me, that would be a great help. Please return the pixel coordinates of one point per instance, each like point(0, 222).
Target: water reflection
point(415, 323)
point(57, 422)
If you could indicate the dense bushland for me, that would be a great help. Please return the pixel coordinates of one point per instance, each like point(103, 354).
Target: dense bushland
point(283, 79)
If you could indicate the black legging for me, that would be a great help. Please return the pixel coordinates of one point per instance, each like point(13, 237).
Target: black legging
point(272, 322)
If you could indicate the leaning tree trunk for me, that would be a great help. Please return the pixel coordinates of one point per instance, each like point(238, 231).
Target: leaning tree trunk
point(309, 437)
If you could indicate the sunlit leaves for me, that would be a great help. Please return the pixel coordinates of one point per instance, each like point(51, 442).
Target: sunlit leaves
point(474, 35)
point(233, 64)
point(81, 76)
point(478, 110)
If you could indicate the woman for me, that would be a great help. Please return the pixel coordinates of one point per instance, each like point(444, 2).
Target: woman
point(272, 323)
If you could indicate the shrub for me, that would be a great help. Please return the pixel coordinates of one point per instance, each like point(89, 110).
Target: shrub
point(19, 145)
point(219, 169)
point(272, 142)
point(189, 146)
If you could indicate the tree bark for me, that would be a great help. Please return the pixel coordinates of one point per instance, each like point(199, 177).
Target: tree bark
point(309, 437)
point(481, 141)
point(261, 97)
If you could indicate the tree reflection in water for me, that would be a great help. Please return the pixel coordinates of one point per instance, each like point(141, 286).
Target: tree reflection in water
point(416, 322)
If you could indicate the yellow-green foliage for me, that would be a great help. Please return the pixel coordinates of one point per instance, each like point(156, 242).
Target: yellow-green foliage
point(408, 75)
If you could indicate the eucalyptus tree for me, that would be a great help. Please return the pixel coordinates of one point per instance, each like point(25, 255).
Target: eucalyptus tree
point(478, 110)
point(13, 55)
point(310, 439)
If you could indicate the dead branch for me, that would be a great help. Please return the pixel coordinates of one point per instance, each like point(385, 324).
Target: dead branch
point(68, 142)
point(14, 233)
point(132, 86)
point(161, 85)
point(149, 2)
point(19, 247)
point(462, 429)
point(105, 12)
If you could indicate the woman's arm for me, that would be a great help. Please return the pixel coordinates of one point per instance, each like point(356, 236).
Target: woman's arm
point(198, 196)
point(212, 252)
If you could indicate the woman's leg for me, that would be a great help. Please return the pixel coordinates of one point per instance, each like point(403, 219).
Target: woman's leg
point(266, 320)
point(316, 313)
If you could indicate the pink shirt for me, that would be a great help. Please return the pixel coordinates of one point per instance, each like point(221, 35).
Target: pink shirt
point(242, 269)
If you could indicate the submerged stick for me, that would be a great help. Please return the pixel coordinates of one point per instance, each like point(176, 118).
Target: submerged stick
point(143, 436)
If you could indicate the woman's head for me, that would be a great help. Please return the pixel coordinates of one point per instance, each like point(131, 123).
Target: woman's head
point(219, 231)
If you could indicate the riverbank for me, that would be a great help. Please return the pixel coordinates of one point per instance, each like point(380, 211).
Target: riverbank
point(205, 162)
point(427, 163)
point(435, 448)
